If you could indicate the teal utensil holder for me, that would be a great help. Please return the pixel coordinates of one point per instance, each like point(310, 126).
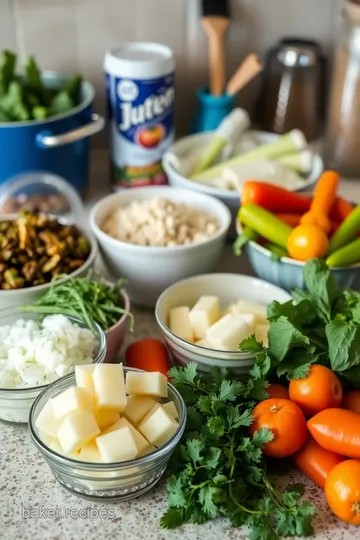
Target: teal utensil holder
point(211, 110)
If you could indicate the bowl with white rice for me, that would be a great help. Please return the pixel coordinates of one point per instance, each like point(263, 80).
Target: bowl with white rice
point(35, 351)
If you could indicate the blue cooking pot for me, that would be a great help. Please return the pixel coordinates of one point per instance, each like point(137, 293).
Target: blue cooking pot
point(59, 144)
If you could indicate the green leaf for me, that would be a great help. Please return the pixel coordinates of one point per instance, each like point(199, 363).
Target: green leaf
point(216, 426)
point(242, 239)
point(176, 497)
point(261, 367)
point(172, 518)
point(230, 390)
point(204, 404)
point(193, 450)
point(207, 495)
point(321, 284)
point(297, 364)
point(283, 336)
point(344, 344)
point(194, 418)
point(236, 419)
point(183, 375)
point(251, 345)
point(262, 436)
point(212, 457)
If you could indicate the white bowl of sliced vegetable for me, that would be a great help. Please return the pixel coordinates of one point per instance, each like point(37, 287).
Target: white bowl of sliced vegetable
point(38, 349)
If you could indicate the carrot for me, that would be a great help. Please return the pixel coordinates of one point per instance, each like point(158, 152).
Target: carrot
point(323, 201)
point(148, 354)
point(341, 209)
point(274, 198)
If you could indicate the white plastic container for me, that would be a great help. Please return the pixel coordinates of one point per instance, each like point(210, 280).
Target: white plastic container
point(140, 93)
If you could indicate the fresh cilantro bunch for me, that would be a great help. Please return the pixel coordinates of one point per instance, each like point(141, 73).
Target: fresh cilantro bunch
point(218, 470)
point(322, 327)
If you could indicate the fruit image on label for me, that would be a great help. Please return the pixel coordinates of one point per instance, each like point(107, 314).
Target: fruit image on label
point(150, 137)
point(142, 128)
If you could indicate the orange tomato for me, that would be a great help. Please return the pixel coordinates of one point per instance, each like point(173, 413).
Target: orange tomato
point(342, 491)
point(337, 430)
point(320, 390)
point(287, 423)
point(316, 462)
point(307, 242)
point(351, 401)
point(278, 391)
point(148, 354)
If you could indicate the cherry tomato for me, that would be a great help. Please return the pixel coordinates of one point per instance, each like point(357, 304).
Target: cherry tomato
point(320, 390)
point(287, 423)
point(342, 491)
point(278, 391)
point(351, 401)
point(148, 354)
point(337, 430)
point(307, 242)
point(316, 462)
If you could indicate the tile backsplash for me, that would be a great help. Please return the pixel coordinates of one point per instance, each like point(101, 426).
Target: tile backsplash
point(73, 35)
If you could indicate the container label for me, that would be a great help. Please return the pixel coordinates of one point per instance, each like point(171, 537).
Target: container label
point(142, 128)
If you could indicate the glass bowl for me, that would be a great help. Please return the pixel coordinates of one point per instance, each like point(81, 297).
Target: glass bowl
point(110, 482)
point(15, 403)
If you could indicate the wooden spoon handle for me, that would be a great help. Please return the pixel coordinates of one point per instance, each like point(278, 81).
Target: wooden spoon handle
point(247, 70)
point(215, 28)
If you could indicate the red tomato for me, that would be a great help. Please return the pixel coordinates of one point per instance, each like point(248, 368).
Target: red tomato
point(278, 391)
point(316, 462)
point(287, 423)
point(351, 401)
point(342, 491)
point(148, 354)
point(320, 390)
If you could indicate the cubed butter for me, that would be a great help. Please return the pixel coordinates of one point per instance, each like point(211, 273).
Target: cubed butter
point(117, 445)
point(159, 427)
point(179, 323)
point(227, 333)
point(55, 445)
point(90, 453)
point(71, 400)
point(46, 421)
point(171, 409)
point(140, 441)
point(204, 314)
point(84, 376)
point(106, 417)
point(259, 310)
point(250, 320)
point(137, 408)
point(109, 386)
point(77, 430)
point(142, 383)
point(261, 334)
point(202, 343)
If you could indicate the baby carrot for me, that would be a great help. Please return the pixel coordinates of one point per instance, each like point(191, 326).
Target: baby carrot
point(323, 200)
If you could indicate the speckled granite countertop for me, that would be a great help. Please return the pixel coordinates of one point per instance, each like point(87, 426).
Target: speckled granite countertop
point(33, 506)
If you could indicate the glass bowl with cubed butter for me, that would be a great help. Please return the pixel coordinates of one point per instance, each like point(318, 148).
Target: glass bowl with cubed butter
point(108, 433)
point(205, 318)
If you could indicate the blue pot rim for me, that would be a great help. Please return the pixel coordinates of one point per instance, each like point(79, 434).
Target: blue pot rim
point(48, 76)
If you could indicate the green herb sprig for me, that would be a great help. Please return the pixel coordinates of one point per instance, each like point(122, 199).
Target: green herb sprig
point(89, 298)
point(218, 470)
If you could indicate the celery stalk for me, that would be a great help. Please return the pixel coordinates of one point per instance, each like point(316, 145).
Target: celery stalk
point(214, 149)
point(300, 162)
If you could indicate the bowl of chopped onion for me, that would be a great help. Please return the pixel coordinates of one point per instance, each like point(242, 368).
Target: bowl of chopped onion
point(37, 349)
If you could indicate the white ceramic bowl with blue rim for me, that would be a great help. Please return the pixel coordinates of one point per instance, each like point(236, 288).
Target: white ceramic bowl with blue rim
point(229, 288)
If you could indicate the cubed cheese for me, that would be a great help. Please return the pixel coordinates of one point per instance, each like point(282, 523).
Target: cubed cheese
point(77, 430)
point(142, 383)
point(90, 453)
point(159, 427)
point(106, 417)
point(261, 334)
point(179, 323)
point(205, 312)
point(202, 343)
point(137, 407)
point(55, 445)
point(227, 333)
point(171, 409)
point(71, 400)
point(46, 420)
point(250, 320)
point(259, 310)
point(84, 376)
point(109, 386)
point(150, 448)
point(140, 441)
point(117, 445)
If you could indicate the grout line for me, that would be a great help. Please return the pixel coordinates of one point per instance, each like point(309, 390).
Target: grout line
point(18, 30)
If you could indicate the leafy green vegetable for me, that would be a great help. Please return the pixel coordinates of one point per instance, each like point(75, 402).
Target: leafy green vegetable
point(246, 236)
point(27, 97)
point(218, 470)
point(322, 326)
point(84, 297)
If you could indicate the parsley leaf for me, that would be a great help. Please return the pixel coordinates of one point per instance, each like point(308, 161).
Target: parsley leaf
point(251, 345)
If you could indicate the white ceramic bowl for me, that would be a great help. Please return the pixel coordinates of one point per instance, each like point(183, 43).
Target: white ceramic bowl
point(150, 270)
point(229, 288)
point(230, 198)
